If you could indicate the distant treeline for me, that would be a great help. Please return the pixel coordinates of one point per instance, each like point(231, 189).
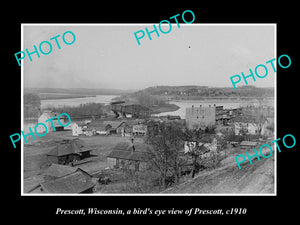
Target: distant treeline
point(82, 109)
point(248, 91)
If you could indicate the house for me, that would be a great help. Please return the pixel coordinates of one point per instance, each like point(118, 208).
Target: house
point(68, 151)
point(268, 127)
point(73, 183)
point(200, 117)
point(117, 127)
point(90, 131)
point(248, 144)
point(208, 142)
point(139, 129)
point(48, 114)
point(241, 128)
point(77, 129)
point(127, 155)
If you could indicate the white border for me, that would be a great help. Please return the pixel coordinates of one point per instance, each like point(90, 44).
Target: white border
point(146, 24)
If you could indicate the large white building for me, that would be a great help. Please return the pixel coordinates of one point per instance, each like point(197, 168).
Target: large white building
point(200, 117)
point(48, 114)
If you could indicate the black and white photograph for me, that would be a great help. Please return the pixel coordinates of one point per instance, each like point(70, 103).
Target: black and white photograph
point(132, 113)
point(143, 109)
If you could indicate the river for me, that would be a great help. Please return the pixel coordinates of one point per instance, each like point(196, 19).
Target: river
point(105, 99)
point(183, 104)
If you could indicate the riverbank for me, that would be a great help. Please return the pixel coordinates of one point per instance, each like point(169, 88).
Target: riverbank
point(53, 96)
point(225, 100)
point(165, 108)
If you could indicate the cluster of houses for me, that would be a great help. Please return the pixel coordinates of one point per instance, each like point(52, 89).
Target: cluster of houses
point(125, 128)
point(64, 175)
point(247, 120)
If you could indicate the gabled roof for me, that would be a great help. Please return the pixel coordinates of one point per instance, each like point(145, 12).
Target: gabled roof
point(123, 150)
point(73, 183)
point(114, 124)
point(129, 155)
point(57, 170)
point(67, 147)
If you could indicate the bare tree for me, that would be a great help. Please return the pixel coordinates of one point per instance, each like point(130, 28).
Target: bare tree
point(196, 147)
point(165, 152)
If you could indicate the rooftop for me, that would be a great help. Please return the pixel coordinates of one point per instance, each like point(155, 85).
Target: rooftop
point(67, 147)
point(248, 143)
point(123, 150)
point(57, 170)
point(73, 183)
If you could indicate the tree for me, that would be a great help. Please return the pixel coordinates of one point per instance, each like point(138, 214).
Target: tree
point(32, 105)
point(196, 147)
point(165, 157)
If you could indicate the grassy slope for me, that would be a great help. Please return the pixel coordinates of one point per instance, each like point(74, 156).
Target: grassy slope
point(255, 178)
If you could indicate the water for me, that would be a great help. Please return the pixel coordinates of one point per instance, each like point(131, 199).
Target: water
point(105, 99)
point(226, 105)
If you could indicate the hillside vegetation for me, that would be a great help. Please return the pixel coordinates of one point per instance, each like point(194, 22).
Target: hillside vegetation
point(188, 92)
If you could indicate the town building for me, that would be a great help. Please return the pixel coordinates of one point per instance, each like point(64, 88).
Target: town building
point(118, 127)
point(77, 128)
point(127, 155)
point(68, 151)
point(200, 117)
point(242, 128)
point(206, 145)
point(139, 129)
point(48, 114)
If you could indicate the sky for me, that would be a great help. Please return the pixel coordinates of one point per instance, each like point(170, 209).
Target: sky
point(108, 56)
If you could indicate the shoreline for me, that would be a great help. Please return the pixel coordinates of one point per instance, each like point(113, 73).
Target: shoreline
point(222, 100)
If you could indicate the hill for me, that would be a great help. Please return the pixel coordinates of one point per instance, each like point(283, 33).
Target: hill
point(251, 179)
point(199, 92)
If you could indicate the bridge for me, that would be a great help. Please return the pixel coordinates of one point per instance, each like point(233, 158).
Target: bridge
point(121, 108)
